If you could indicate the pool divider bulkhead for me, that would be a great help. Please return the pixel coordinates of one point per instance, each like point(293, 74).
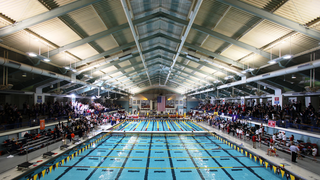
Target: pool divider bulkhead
point(279, 170)
point(40, 171)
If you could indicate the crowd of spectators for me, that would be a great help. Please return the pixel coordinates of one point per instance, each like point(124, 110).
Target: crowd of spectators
point(10, 114)
point(293, 112)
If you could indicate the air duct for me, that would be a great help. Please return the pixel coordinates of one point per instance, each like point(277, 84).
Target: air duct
point(35, 70)
point(289, 70)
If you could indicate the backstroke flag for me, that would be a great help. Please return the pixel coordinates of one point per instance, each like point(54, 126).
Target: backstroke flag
point(161, 103)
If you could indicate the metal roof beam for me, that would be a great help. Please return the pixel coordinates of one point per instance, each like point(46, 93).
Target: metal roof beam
point(45, 16)
point(184, 37)
point(272, 17)
point(128, 15)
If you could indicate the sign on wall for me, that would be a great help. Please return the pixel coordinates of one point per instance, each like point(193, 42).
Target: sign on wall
point(42, 124)
point(276, 100)
point(170, 104)
point(145, 104)
point(39, 99)
point(271, 123)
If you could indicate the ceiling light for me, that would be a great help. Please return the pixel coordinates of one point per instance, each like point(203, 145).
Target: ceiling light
point(74, 70)
point(247, 70)
point(285, 57)
point(217, 81)
point(24, 74)
point(93, 97)
point(31, 54)
point(46, 60)
point(67, 67)
point(293, 76)
point(265, 87)
point(102, 88)
point(228, 77)
point(88, 76)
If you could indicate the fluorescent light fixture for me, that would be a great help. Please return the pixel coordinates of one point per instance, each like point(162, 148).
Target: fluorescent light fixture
point(247, 70)
point(285, 57)
point(73, 95)
point(102, 88)
point(88, 76)
point(46, 60)
point(74, 70)
point(32, 54)
point(228, 77)
point(24, 74)
point(293, 76)
point(217, 81)
point(67, 67)
point(93, 97)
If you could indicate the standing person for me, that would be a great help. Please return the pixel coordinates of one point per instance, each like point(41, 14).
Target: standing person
point(294, 150)
point(284, 139)
point(314, 153)
point(254, 140)
point(291, 139)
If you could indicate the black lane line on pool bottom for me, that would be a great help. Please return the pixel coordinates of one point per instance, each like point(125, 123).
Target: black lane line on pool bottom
point(163, 129)
point(195, 127)
point(95, 169)
point(250, 169)
point(194, 163)
point(148, 160)
point(172, 126)
point(223, 169)
point(125, 161)
point(170, 160)
point(185, 126)
point(80, 160)
point(142, 129)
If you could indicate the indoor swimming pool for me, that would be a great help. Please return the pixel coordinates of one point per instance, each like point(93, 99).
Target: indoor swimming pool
point(155, 156)
point(158, 125)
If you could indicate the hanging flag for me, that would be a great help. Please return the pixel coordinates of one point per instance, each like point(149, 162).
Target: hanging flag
point(266, 163)
point(35, 177)
point(282, 172)
point(260, 161)
point(72, 156)
point(68, 159)
point(255, 158)
point(57, 164)
point(39, 175)
point(292, 177)
point(50, 168)
point(274, 169)
point(47, 170)
point(62, 161)
point(161, 103)
point(250, 156)
point(246, 153)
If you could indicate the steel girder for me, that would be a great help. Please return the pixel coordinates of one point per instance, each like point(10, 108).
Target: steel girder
point(45, 16)
point(273, 18)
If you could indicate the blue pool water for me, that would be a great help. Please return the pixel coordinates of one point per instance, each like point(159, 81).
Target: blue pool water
point(163, 125)
point(159, 157)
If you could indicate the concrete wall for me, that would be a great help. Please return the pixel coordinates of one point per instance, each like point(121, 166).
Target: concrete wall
point(124, 104)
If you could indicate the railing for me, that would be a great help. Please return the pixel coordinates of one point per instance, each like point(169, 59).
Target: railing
point(36, 122)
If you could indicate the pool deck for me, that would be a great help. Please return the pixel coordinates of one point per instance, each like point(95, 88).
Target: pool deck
point(35, 156)
point(306, 168)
